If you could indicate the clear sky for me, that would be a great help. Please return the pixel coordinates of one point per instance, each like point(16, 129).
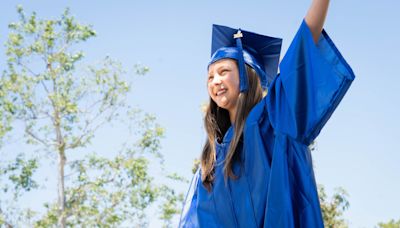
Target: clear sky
point(357, 149)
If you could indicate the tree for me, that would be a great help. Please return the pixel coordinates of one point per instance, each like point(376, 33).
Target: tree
point(332, 211)
point(60, 109)
point(391, 224)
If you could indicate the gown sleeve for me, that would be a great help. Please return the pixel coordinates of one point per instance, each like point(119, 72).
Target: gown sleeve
point(189, 216)
point(313, 80)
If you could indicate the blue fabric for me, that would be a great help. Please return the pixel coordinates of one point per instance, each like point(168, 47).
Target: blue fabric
point(277, 186)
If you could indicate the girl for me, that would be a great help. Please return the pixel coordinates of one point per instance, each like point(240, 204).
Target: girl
point(256, 168)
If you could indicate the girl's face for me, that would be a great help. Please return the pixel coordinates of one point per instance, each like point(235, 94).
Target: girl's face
point(223, 83)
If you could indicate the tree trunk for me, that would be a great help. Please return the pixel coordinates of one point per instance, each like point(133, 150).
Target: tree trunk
point(61, 190)
point(61, 177)
point(62, 215)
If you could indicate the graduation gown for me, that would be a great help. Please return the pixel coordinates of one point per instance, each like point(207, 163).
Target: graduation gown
point(276, 185)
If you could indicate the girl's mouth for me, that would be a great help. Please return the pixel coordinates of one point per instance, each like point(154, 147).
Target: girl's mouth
point(220, 92)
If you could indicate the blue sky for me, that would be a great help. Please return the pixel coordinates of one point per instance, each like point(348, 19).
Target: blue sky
point(357, 149)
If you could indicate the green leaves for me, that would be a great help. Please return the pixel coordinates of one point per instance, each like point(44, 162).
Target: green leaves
point(171, 205)
point(332, 211)
point(140, 69)
point(49, 38)
point(15, 39)
point(391, 224)
point(20, 173)
point(75, 31)
point(61, 107)
point(110, 191)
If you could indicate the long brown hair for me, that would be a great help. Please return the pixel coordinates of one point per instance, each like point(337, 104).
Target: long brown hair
point(217, 122)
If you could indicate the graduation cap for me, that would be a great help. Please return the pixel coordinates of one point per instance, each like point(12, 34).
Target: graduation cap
point(258, 51)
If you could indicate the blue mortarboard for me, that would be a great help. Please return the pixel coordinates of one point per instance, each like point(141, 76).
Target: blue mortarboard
point(258, 51)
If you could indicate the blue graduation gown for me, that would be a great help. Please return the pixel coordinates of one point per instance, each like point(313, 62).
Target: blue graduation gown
point(277, 186)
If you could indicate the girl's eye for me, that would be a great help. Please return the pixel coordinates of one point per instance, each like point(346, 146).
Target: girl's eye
point(210, 78)
point(224, 71)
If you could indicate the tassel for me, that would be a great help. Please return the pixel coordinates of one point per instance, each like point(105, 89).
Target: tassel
point(242, 70)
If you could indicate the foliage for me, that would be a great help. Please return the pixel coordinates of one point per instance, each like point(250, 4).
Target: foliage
point(61, 108)
point(391, 224)
point(332, 210)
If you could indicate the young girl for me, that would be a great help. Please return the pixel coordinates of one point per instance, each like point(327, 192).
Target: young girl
point(256, 169)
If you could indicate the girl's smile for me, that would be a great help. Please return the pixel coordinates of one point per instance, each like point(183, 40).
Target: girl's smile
point(223, 83)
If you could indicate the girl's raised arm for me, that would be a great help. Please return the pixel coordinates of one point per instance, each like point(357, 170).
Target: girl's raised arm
point(315, 17)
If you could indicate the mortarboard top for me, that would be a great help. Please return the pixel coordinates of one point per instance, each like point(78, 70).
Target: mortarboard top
point(259, 51)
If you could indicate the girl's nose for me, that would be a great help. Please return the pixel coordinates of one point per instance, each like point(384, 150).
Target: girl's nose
point(216, 80)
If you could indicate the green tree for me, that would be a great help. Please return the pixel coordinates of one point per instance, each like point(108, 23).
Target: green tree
point(60, 109)
point(391, 224)
point(332, 210)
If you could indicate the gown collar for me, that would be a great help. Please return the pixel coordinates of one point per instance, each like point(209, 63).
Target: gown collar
point(227, 138)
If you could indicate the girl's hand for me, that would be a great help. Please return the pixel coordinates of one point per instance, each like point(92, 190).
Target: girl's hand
point(315, 17)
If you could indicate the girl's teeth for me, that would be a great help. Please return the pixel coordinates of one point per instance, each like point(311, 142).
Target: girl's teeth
point(220, 92)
